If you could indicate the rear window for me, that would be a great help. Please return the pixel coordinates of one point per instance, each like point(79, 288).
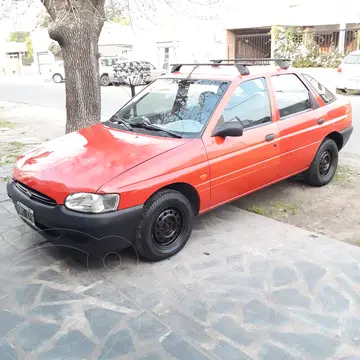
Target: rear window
point(352, 59)
point(325, 94)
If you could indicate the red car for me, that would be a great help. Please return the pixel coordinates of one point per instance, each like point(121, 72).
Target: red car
point(184, 145)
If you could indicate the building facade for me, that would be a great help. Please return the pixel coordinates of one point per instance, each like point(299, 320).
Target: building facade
point(11, 58)
point(334, 27)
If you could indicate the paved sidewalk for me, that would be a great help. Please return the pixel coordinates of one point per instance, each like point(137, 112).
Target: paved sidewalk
point(245, 287)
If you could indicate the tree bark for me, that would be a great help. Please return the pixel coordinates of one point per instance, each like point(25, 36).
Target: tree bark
point(76, 26)
point(82, 84)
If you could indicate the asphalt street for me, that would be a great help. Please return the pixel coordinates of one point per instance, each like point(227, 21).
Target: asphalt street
point(53, 96)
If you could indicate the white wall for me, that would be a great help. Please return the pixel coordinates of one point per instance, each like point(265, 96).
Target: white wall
point(193, 43)
point(301, 13)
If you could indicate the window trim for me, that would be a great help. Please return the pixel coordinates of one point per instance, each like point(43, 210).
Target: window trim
point(270, 106)
point(303, 75)
point(311, 97)
point(296, 114)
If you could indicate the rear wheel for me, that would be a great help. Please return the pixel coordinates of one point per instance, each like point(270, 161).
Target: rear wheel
point(57, 78)
point(324, 165)
point(165, 225)
point(105, 80)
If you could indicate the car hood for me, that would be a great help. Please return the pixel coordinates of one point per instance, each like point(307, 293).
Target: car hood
point(83, 161)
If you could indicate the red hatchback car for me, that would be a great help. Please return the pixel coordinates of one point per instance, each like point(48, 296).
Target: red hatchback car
point(184, 145)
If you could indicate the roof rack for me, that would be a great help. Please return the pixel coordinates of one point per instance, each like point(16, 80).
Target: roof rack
point(242, 67)
point(240, 64)
point(282, 63)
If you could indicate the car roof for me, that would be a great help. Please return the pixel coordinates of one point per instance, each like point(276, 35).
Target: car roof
point(356, 52)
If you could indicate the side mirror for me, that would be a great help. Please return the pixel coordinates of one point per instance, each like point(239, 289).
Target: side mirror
point(232, 128)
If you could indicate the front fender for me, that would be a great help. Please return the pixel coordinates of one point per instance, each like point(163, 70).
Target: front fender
point(187, 164)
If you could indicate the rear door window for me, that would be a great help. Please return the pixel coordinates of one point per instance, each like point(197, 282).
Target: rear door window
point(325, 94)
point(292, 95)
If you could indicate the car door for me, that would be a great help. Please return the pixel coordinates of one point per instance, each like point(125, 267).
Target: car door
point(239, 165)
point(301, 119)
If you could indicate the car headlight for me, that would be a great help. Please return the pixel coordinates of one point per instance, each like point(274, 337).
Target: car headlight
point(92, 203)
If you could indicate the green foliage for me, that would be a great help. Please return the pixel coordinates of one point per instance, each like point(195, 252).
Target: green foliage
point(285, 39)
point(116, 12)
point(55, 49)
point(23, 37)
point(44, 19)
point(301, 47)
point(29, 48)
point(18, 36)
point(121, 20)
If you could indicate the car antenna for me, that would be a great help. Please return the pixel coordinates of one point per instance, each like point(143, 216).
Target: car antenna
point(195, 67)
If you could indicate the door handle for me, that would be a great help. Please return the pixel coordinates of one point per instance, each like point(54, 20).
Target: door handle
point(270, 137)
point(320, 121)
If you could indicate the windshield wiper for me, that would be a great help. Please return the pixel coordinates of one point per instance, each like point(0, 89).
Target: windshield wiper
point(119, 120)
point(155, 128)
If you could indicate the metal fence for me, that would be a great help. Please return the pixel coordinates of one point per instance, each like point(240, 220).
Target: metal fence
point(253, 46)
point(259, 45)
point(330, 40)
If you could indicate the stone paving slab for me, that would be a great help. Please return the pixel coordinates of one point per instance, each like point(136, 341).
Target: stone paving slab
point(245, 287)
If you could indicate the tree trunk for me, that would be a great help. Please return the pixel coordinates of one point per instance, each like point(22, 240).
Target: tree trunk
point(82, 83)
point(77, 31)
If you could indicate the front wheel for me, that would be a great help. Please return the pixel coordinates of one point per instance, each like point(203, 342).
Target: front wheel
point(105, 80)
point(165, 225)
point(324, 165)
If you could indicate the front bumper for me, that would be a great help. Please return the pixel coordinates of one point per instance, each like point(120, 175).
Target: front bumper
point(95, 234)
point(346, 133)
point(349, 83)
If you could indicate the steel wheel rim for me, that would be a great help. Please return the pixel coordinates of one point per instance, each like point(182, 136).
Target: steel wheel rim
point(57, 78)
point(167, 227)
point(325, 163)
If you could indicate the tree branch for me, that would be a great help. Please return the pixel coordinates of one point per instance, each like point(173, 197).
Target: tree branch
point(50, 7)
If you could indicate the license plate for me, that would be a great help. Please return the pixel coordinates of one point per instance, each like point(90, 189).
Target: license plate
point(26, 213)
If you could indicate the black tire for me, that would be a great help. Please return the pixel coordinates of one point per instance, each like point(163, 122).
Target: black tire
point(170, 206)
point(324, 165)
point(105, 80)
point(57, 78)
point(341, 91)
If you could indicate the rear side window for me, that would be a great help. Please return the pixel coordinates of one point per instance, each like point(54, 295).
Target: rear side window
point(325, 94)
point(249, 104)
point(352, 59)
point(291, 94)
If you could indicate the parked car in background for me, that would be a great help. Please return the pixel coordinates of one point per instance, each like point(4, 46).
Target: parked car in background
point(349, 73)
point(141, 71)
point(57, 72)
point(187, 143)
point(105, 68)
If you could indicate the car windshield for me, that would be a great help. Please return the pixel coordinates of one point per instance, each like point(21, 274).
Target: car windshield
point(180, 106)
point(353, 59)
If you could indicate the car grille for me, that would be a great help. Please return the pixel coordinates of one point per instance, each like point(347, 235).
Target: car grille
point(35, 195)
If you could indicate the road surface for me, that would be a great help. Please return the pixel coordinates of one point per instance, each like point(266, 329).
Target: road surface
point(53, 96)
